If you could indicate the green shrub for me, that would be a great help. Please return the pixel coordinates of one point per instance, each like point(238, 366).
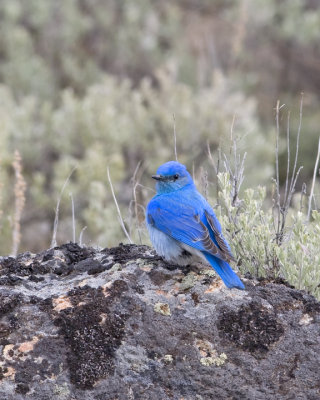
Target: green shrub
point(250, 227)
point(118, 125)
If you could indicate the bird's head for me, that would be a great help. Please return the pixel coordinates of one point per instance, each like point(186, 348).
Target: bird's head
point(172, 176)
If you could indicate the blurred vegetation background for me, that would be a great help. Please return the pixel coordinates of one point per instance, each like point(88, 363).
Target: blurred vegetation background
point(91, 83)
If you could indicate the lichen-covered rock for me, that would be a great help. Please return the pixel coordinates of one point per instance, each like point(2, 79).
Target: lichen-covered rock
point(80, 323)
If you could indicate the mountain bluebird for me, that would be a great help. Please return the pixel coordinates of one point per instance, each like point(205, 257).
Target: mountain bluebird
point(183, 227)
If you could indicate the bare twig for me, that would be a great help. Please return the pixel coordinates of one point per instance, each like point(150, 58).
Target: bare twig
point(204, 182)
point(215, 167)
point(118, 209)
point(313, 181)
point(211, 158)
point(282, 207)
point(219, 159)
point(1, 212)
point(135, 184)
point(298, 142)
point(19, 192)
point(303, 193)
point(81, 235)
point(56, 218)
point(73, 219)
point(277, 200)
point(231, 133)
point(146, 187)
point(288, 156)
point(237, 172)
point(175, 137)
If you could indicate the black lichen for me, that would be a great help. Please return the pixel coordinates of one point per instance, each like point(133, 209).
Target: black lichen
point(22, 388)
point(74, 253)
point(8, 302)
point(92, 340)
point(128, 252)
point(251, 327)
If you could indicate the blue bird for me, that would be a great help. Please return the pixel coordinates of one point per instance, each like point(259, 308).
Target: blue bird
point(183, 227)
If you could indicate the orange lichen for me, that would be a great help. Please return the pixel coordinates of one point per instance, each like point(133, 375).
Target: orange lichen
point(146, 268)
point(8, 351)
point(105, 289)
point(10, 373)
point(25, 347)
point(61, 303)
point(103, 318)
point(163, 293)
point(214, 286)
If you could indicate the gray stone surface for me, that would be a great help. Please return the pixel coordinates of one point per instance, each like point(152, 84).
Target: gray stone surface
point(81, 324)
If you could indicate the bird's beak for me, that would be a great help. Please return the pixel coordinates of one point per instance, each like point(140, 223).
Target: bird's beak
point(157, 177)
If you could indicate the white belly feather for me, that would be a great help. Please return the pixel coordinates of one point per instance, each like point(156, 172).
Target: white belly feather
point(172, 250)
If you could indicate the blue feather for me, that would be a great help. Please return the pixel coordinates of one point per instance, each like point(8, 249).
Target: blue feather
point(223, 269)
point(181, 213)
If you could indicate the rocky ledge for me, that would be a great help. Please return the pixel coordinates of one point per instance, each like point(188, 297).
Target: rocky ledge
point(82, 323)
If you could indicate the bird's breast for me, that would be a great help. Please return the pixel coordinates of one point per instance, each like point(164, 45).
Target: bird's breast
point(172, 250)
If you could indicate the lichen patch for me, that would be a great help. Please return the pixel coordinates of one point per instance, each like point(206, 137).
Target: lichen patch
point(168, 358)
point(188, 282)
point(61, 303)
point(252, 327)
point(103, 318)
point(162, 308)
point(146, 268)
point(83, 283)
point(305, 320)
point(105, 289)
point(8, 351)
point(215, 286)
point(208, 354)
point(7, 372)
point(164, 293)
point(25, 347)
point(218, 361)
point(209, 272)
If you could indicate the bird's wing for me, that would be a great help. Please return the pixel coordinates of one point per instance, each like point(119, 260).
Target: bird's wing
point(220, 240)
point(200, 230)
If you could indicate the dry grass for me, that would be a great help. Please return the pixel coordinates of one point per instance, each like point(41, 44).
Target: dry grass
point(281, 205)
point(56, 218)
point(313, 181)
point(1, 212)
point(118, 209)
point(19, 193)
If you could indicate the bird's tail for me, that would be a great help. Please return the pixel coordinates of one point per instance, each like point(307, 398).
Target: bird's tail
point(223, 269)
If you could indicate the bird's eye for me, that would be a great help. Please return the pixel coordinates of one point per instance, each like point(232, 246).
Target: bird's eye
point(176, 176)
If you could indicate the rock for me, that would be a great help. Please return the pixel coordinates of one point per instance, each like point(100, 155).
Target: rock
point(81, 323)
